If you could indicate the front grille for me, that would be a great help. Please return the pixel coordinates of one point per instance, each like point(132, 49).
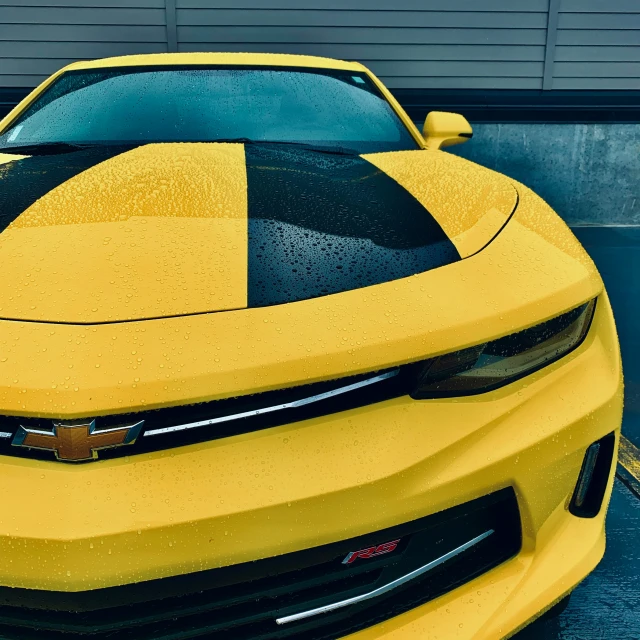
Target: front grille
point(164, 428)
point(242, 602)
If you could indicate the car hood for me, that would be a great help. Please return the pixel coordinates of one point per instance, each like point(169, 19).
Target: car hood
point(115, 234)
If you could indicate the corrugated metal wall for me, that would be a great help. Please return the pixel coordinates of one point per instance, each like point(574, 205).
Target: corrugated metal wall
point(37, 37)
point(437, 43)
point(411, 44)
point(598, 45)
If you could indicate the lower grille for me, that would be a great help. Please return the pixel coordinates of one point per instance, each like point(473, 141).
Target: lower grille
point(243, 602)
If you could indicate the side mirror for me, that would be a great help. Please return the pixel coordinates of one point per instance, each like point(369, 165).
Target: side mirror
point(442, 129)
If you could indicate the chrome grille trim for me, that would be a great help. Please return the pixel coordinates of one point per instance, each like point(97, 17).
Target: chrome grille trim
point(287, 405)
point(389, 586)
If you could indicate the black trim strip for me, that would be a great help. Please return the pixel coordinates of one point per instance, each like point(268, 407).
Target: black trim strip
point(491, 105)
point(524, 106)
point(9, 98)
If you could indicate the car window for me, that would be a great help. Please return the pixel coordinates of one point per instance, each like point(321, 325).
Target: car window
point(141, 105)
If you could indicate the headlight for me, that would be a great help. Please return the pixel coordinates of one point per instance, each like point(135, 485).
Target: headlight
point(495, 364)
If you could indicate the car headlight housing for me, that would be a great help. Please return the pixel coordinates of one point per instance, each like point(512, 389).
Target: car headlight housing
point(494, 364)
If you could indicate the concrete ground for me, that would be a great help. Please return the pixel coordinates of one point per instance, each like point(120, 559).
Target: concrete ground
point(606, 606)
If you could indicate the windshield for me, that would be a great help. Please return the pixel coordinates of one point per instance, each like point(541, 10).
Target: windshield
point(332, 109)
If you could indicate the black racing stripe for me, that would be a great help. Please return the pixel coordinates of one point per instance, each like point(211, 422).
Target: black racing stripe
point(22, 182)
point(322, 224)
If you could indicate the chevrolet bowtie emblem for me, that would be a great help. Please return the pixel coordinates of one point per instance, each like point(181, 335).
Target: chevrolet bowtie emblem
point(77, 442)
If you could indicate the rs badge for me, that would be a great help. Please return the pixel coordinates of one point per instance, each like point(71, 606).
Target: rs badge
point(371, 552)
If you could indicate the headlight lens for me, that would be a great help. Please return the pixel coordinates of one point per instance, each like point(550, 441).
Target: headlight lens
point(497, 363)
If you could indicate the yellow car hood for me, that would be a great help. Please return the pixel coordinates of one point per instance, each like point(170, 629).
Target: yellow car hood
point(155, 231)
point(532, 271)
point(163, 230)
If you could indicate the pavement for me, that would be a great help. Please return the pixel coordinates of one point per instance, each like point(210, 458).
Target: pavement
point(606, 606)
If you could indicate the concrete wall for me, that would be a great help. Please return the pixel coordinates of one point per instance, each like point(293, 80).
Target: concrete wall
point(589, 173)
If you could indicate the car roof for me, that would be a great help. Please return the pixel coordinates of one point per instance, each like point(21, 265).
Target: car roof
point(257, 59)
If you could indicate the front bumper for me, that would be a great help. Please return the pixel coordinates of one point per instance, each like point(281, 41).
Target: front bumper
point(501, 602)
point(75, 528)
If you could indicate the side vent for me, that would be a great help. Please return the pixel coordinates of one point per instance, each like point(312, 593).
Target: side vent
point(592, 481)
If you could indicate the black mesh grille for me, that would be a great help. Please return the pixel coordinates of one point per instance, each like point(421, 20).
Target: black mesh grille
point(242, 602)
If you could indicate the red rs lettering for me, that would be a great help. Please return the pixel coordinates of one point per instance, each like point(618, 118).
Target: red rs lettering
point(363, 553)
point(370, 552)
point(387, 547)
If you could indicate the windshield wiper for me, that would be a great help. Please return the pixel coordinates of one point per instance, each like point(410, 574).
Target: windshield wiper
point(47, 148)
point(340, 151)
point(51, 148)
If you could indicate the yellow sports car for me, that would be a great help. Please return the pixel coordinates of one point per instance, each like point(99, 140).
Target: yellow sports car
point(274, 365)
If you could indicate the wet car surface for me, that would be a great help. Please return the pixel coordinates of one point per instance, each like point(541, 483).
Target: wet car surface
point(607, 604)
point(534, 256)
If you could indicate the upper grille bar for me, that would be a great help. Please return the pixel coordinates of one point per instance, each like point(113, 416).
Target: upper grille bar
point(174, 426)
point(278, 407)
